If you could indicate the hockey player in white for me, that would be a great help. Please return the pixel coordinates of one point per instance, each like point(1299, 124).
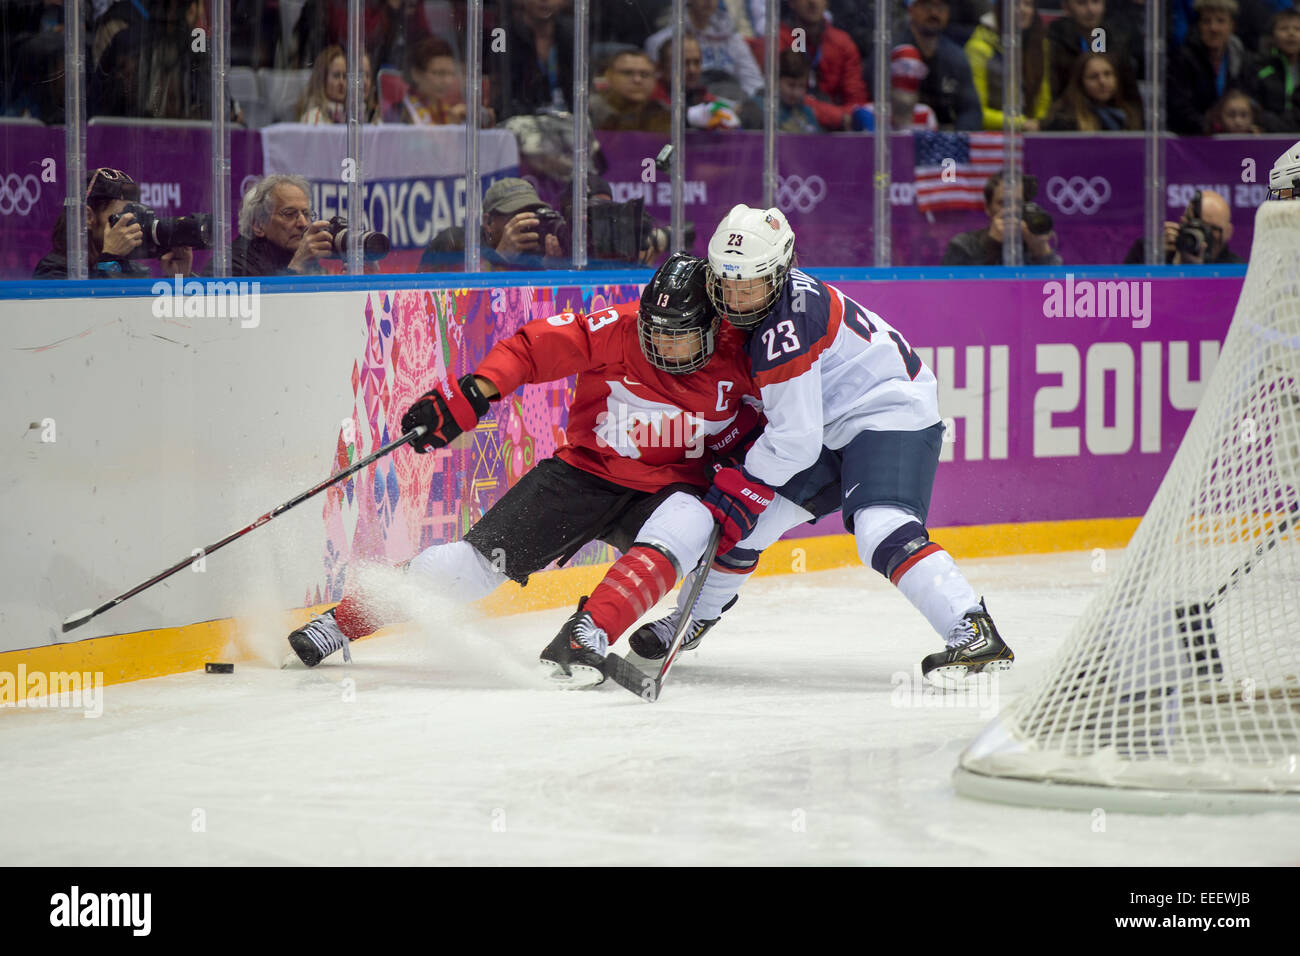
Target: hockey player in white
point(852, 422)
point(1284, 178)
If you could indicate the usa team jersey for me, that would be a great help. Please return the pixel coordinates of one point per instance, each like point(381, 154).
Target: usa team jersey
point(630, 423)
point(828, 368)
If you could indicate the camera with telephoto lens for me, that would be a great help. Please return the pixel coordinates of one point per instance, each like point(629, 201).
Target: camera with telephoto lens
point(162, 234)
point(551, 223)
point(1194, 233)
point(616, 231)
point(1036, 219)
point(374, 245)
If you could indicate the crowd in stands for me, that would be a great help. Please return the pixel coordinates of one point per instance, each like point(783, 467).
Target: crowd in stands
point(1233, 66)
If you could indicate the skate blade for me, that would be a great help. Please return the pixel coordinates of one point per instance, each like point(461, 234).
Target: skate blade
point(292, 662)
point(953, 676)
point(578, 676)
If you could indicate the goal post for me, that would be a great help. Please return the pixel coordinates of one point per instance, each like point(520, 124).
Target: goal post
point(1179, 689)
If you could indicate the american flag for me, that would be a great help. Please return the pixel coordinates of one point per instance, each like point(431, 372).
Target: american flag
point(976, 155)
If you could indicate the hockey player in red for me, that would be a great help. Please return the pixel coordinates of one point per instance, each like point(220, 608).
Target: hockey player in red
point(852, 424)
point(660, 385)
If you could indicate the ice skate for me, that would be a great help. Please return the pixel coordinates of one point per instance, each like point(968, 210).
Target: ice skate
point(318, 639)
point(650, 641)
point(576, 657)
point(974, 647)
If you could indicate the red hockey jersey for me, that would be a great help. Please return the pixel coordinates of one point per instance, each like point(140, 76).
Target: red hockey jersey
point(630, 423)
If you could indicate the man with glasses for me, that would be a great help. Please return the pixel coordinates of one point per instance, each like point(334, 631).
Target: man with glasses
point(628, 104)
point(278, 233)
point(109, 245)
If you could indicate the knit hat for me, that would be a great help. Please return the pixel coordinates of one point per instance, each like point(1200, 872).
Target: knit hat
point(907, 68)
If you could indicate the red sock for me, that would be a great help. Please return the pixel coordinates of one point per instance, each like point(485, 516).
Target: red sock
point(355, 619)
point(631, 587)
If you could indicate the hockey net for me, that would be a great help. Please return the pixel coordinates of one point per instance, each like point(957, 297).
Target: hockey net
point(1179, 689)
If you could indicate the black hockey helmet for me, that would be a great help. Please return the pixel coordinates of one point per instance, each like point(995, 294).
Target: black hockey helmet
point(678, 325)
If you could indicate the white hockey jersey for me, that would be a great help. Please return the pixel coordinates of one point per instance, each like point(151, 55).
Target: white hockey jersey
point(828, 368)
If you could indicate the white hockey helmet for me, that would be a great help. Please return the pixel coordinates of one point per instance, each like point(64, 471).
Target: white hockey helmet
point(1284, 178)
point(750, 256)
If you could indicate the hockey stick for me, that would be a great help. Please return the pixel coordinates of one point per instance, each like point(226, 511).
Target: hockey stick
point(81, 617)
point(1196, 627)
point(628, 675)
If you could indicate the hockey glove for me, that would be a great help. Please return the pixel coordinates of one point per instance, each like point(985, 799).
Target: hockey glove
point(736, 500)
point(729, 446)
point(447, 411)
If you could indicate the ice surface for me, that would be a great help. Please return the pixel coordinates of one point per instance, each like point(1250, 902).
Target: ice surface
point(792, 736)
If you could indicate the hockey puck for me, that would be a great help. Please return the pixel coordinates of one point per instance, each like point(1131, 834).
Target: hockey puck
point(212, 668)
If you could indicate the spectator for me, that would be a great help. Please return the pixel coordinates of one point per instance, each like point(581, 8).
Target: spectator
point(175, 78)
point(321, 24)
point(704, 110)
point(434, 96)
point(835, 86)
point(31, 67)
point(325, 100)
point(1093, 101)
point(983, 247)
point(1275, 85)
point(1210, 64)
point(109, 245)
point(984, 51)
point(1072, 35)
point(392, 29)
point(534, 71)
point(113, 89)
point(1211, 239)
point(627, 22)
point(725, 53)
point(948, 88)
point(964, 17)
point(1235, 114)
point(277, 234)
point(627, 103)
point(906, 71)
point(793, 114)
point(510, 233)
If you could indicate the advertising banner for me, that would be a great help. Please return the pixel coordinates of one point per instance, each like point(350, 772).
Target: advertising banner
point(1092, 186)
point(414, 182)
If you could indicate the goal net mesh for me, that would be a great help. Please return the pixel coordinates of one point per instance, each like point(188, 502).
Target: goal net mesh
point(1184, 672)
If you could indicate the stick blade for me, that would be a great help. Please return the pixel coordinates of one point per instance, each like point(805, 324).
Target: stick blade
point(627, 675)
point(77, 618)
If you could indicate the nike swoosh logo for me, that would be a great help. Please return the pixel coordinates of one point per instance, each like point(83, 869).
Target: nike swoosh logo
point(628, 381)
point(851, 490)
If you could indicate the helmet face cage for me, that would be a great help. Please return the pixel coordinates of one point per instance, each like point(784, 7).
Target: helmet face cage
point(695, 343)
point(765, 289)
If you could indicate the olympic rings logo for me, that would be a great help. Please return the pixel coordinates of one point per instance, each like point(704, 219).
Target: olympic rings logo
point(803, 195)
point(18, 194)
point(1077, 194)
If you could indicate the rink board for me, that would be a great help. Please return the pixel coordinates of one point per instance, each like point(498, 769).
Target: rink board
point(150, 433)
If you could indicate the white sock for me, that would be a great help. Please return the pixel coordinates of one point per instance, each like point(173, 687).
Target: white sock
point(457, 570)
point(940, 591)
point(719, 588)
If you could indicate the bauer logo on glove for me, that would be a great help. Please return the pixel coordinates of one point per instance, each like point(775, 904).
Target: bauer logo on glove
point(736, 501)
point(446, 412)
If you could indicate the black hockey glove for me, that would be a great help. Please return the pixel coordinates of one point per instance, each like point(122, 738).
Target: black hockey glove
point(449, 410)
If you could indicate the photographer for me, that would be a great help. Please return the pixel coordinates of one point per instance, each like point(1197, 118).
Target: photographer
point(983, 247)
point(113, 236)
point(1200, 237)
point(517, 233)
point(277, 234)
